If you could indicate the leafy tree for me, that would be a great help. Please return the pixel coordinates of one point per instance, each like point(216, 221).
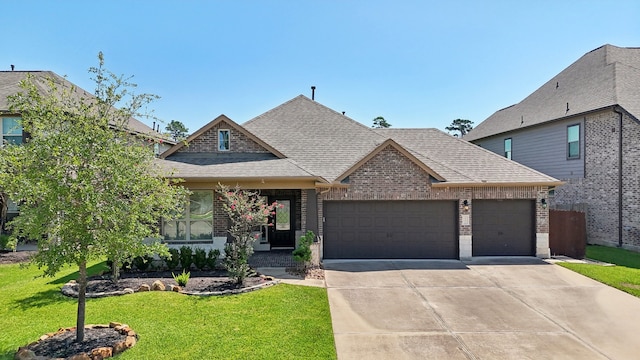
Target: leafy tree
point(246, 210)
point(379, 122)
point(460, 125)
point(86, 189)
point(177, 130)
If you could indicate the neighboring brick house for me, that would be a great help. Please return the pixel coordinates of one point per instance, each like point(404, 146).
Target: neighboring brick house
point(367, 193)
point(582, 127)
point(11, 130)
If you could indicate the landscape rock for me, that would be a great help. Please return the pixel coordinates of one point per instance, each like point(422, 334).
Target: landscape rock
point(82, 356)
point(24, 354)
point(101, 353)
point(128, 291)
point(157, 286)
point(144, 287)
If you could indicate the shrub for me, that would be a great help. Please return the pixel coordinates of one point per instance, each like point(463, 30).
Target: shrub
point(186, 257)
point(200, 259)
point(182, 279)
point(173, 260)
point(212, 258)
point(302, 255)
point(246, 210)
point(142, 263)
point(6, 242)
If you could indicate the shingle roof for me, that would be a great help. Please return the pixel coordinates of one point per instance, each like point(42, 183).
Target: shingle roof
point(263, 169)
point(328, 144)
point(321, 140)
point(10, 84)
point(606, 76)
point(461, 162)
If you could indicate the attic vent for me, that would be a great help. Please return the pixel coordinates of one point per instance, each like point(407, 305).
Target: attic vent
point(13, 67)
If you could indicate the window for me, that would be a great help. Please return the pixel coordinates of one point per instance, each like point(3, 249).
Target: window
point(507, 148)
point(223, 140)
point(573, 141)
point(11, 130)
point(195, 224)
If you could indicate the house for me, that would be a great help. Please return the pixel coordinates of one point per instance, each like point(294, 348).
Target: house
point(11, 130)
point(368, 193)
point(582, 127)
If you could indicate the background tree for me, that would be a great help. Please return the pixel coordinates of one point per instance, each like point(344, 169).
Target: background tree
point(380, 122)
point(246, 211)
point(460, 125)
point(86, 189)
point(177, 130)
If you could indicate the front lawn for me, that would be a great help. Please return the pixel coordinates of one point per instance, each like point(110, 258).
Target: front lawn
point(281, 322)
point(624, 276)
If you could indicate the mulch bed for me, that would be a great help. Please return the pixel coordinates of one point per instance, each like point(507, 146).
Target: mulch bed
point(200, 281)
point(64, 345)
point(15, 257)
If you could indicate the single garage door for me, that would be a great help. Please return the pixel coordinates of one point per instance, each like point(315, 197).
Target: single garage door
point(390, 230)
point(503, 228)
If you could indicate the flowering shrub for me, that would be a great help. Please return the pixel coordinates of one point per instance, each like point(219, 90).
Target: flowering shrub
point(246, 210)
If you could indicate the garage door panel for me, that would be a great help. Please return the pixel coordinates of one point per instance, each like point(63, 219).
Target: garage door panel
point(390, 229)
point(503, 228)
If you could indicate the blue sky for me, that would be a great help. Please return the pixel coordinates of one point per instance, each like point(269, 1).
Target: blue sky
point(416, 63)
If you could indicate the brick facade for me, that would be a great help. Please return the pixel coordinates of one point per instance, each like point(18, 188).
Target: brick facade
point(238, 143)
point(391, 176)
point(598, 190)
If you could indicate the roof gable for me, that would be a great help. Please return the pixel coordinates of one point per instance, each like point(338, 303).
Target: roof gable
point(386, 144)
point(223, 121)
point(604, 77)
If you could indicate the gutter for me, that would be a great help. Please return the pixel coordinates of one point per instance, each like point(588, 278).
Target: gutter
point(496, 184)
point(615, 109)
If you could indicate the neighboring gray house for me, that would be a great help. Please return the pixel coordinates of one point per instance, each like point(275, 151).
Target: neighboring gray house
point(368, 193)
point(582, 127)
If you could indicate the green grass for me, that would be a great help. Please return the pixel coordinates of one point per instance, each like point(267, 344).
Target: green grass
point(624, 276)
point(280, 322)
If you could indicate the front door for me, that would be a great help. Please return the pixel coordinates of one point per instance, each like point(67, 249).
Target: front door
point(282, 232)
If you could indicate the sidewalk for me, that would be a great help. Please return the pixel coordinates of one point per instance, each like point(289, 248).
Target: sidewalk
point(281, 274)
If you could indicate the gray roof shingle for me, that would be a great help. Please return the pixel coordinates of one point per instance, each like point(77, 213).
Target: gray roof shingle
point(461, 162)
point(262, 169)
point(606, 76)
point(327, 143)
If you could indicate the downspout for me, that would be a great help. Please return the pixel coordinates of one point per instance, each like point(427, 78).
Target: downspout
point(619, 176)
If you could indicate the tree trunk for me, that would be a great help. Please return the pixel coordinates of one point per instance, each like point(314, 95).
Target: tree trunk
point(82, 301)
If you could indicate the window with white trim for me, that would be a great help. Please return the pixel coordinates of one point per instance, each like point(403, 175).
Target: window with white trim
point(224, 140)
point(195, 224)
point(10, 131)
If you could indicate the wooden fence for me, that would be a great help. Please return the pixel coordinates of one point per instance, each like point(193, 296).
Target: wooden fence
point(567, 233)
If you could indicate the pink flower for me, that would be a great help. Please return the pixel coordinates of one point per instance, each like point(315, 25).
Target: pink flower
point(233, 207)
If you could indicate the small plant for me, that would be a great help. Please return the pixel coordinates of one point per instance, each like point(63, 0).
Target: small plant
point(182, 279)
point(186, 257)
point(173, 260)
point(212, 258)
point(302, 255)
point(6, 242)
point(142, 263)
point(200, 258)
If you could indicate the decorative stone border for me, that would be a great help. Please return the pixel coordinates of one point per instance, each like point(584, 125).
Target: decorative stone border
point(99, 353)
point(71, 289)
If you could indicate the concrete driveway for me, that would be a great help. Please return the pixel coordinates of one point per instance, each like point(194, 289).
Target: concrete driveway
point(486, 309)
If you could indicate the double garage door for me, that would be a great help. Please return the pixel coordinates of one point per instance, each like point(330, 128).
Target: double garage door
point(423, 229)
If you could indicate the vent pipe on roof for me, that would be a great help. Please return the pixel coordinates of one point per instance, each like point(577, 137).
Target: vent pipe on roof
point(13, 67)
point(343, 112)
point(313, 93)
